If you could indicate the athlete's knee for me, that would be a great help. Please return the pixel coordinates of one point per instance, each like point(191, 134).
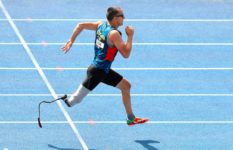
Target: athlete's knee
point(125, 85)
point(74, 99)
point(78, 96)
point(128, 85)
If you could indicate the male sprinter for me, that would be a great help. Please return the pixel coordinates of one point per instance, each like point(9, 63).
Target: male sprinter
point(108, 42)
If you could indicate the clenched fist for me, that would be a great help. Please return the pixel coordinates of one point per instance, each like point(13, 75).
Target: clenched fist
point(129, 30)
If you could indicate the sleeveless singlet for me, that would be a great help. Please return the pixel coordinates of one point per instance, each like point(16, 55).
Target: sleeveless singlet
point(104, 54)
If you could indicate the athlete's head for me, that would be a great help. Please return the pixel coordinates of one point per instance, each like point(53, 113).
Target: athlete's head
point(115, 15)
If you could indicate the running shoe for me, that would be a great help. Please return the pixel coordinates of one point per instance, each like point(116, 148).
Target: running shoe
point(137, 120)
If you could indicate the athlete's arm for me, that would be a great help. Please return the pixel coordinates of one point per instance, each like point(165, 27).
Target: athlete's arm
point(116, 39)
point(77, 30)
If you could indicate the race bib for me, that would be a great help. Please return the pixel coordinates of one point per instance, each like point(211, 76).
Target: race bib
point(99, 44)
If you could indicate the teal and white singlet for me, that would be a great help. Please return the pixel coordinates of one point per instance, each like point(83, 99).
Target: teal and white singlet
point(104, 54)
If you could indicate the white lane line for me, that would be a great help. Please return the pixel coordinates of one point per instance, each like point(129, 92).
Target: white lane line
point(123, 69)
point(40, 71)
point(119, 122)
point(119, 95)
point(135, 44)
point(126, 20)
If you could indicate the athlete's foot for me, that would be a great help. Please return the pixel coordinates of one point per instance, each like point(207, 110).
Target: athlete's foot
point(137, 120)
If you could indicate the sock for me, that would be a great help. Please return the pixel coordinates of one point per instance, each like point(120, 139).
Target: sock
point(131, 117)
point(78, 96)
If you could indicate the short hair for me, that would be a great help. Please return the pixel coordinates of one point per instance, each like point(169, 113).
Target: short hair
point(112, 12)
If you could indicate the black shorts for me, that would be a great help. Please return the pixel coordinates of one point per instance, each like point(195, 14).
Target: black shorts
point(96, 75)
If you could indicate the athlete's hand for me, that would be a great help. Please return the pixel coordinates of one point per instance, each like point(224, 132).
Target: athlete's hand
point(67, 46)
point(129, 30)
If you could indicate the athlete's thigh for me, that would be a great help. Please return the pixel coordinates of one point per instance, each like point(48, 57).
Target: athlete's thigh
point(93, 78)
point(113, 78)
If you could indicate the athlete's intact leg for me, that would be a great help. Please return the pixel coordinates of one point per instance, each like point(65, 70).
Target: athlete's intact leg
point(116, 80)
point(125, 87)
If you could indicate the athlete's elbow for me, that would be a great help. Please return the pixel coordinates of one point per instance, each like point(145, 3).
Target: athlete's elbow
point(125, 56)
point(80, 26)
point(125, 52)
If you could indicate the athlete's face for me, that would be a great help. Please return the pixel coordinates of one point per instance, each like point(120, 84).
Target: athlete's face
point(120, 17)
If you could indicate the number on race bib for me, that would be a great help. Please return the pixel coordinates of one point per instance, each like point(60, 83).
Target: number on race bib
point(99, 44)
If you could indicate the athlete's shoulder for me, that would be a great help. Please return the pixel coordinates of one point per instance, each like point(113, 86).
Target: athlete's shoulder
point(99, 23)
point(114, 36)
point(115, 32)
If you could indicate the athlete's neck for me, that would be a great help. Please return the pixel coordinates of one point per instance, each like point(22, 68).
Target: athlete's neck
point(113, 24)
